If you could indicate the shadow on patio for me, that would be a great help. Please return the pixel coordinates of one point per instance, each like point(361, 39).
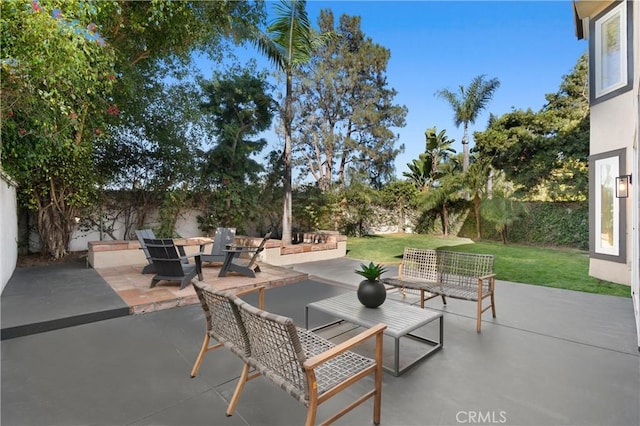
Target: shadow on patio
point(550, 357)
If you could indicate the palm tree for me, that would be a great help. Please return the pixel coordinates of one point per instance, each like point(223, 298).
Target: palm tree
point(467, 105)
point(288, 44)
point(476, 180)
point(438, 148)
point(446, 191)
point(419, 173)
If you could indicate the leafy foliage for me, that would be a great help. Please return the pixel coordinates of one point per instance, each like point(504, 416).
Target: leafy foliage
point(502, 212)
point(346, 108)
point(467, 103)
point(553, 224)
point(240, 108)
point(440, 174)
point(69, 71)
point(55, 97)
point(288, 43)
point(400, 198)
point(545, 152)
point(371, 272)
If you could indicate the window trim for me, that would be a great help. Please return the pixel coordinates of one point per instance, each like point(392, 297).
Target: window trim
point(618, 253)
point(596, 94)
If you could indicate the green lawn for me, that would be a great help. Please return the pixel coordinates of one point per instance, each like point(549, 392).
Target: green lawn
point(551, 267)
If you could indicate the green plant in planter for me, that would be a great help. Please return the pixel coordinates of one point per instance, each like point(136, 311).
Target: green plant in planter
point(371, 292)
point(371, 271)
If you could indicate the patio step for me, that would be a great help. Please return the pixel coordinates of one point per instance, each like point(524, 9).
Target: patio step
point(12, 332)
point(45, 298)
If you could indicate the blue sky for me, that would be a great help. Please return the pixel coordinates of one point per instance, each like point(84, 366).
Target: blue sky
point(527, 45)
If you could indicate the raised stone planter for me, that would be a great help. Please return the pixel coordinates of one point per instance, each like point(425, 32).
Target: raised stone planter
point(106, 254)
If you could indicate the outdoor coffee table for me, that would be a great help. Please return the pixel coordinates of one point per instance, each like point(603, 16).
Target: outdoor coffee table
point(401, 319)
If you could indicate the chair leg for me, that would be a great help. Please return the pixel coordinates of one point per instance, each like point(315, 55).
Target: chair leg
point(377, 399)
point(199, 267)
point(444, 299)
point(154, 282)
point(239, 387)
point(479, 319)
point(493, 305)
point(203, 350)
point(312, 411)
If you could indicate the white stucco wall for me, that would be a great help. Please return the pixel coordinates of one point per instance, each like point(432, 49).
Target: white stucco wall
point(186, 227)
point(8, 229)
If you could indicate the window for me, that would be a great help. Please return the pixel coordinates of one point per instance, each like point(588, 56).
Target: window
point(607, 223)
point(607, 230)
point(610, 51)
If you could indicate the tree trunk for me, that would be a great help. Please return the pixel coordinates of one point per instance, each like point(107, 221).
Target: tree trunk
point(286, 158)
point(503, 234)
point(55, 225)
point(465, 148)
point(445, 220)
point(476, 210)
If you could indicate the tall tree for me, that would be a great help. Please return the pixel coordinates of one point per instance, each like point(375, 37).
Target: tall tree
point(288, 43)
point(151, 152)
point(240, 108)
point(400, 197)
point(467, 103)
point(54, 106)
point(475, 180)
point(347, 110)
point(57, 101)
point(438, 149)
point(446, 192)
point(419, 173)
point(545, 153)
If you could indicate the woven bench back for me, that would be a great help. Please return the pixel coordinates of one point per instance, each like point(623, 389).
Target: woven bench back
point(223, 320)
point(420, 264)
point(276, 351)
point(463, 269)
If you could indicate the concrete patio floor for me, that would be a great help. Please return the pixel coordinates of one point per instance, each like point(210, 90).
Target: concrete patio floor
point(551, 357)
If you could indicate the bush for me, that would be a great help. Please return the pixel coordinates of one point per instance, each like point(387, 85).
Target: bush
point(549, 224)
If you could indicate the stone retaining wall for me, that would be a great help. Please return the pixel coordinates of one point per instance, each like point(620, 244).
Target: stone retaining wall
point(105, 254)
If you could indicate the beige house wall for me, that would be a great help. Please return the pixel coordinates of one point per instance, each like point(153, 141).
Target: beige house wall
point(614, 126)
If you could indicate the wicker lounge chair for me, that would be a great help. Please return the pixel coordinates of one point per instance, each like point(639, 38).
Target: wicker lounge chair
point(234, 263)
point(169, 264)
point(221, 322)
point(223, 238)
point(306, 366)
point(309, 368)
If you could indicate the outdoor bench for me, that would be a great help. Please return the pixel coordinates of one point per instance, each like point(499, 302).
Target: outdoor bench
point(465, 276)
point(308, 367)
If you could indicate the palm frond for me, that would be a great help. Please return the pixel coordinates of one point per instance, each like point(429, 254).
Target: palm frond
point(291, 30)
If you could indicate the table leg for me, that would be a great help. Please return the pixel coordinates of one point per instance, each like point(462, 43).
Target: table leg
point(396, 361)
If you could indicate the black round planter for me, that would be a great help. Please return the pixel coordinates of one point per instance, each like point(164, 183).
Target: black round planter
point(371, 293)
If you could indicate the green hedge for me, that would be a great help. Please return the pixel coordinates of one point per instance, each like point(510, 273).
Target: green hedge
point(549, 224)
